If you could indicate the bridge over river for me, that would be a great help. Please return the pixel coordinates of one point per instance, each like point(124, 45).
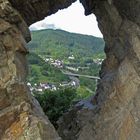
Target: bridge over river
point(80, 75)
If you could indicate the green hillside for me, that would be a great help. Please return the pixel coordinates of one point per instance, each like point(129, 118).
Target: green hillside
point(41, 72)
point(53, 53)
point(61, 44)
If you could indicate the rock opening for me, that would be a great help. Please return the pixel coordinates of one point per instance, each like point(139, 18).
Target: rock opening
point(116, 115)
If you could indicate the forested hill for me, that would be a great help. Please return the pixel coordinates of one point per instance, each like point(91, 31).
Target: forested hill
point(60, 44)
point(53, 53)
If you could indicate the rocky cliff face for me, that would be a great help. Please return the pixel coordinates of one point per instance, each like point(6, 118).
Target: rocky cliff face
point(115, 113)
point(21, 117)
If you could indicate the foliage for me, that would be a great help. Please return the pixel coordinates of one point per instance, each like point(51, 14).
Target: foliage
point(55, 103)
point(34, 59)
point(61, 44)
point(39, 71)
point(58, 44)
point(82, 92)
point(88, 83)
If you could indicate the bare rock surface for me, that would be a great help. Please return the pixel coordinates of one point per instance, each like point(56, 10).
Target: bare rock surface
point(113, 114)
point(21, 117)
point(116, 115)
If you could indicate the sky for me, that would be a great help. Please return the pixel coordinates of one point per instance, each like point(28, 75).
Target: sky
point(71, 19)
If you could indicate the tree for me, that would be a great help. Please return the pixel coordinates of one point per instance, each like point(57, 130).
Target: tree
point(55, 103)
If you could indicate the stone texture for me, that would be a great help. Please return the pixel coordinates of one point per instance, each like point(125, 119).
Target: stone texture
point(21, 117)
point(114, 114)
point(35, 10)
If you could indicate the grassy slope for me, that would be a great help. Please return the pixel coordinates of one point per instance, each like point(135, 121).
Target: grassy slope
point(39, 71)
point(61, 44)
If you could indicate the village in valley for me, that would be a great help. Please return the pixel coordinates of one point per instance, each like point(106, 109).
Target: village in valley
point(59, 64)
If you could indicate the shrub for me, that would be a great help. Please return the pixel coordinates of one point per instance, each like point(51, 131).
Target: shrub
point(55, 103)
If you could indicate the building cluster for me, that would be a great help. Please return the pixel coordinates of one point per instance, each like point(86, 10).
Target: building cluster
point(68, 84)
point(48, 86)
point(98, 61)
point(41, 87)
point(57, 63)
